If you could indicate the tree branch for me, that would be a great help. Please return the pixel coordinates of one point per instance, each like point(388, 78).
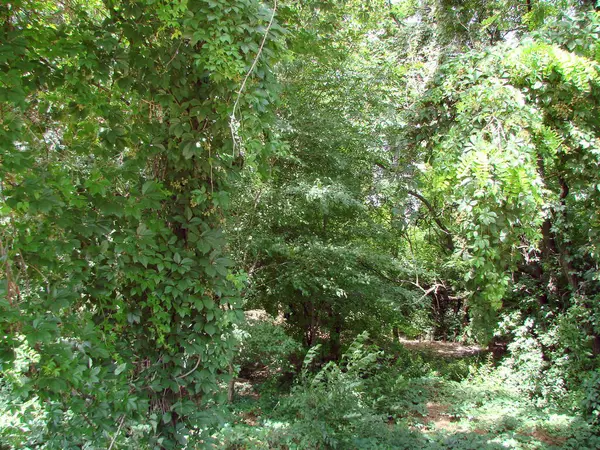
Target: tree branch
point(233, 123)
point(393, 15)
point(436, 219)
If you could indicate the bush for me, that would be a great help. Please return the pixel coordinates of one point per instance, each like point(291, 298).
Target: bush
point(265, 346)
point(591, 399)
point(341, 407)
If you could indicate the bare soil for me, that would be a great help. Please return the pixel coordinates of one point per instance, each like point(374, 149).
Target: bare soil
point(443, 349)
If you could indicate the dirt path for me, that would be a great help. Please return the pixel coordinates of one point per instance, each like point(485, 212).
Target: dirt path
point(486, 423)
point(443, 349)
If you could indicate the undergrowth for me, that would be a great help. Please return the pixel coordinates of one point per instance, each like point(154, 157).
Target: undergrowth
point(382, 397)
point(400, 399)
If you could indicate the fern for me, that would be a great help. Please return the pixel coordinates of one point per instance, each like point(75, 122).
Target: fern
point(550, 140)
point(310, 357)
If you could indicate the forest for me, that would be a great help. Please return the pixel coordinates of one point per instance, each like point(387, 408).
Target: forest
point(300, 224)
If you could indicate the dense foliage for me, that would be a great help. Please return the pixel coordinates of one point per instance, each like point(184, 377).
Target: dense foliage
point(355, 173)
point(118, 302)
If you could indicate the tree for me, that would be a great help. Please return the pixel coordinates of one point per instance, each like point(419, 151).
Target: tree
point(510, 139)
point(117, 298)
point(311, 236)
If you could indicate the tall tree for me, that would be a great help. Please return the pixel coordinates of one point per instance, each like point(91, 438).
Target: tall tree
point(311, 236)
point(117, 148)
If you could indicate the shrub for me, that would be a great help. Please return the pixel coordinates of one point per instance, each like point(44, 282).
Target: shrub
point(591, 399)
point(264, 346)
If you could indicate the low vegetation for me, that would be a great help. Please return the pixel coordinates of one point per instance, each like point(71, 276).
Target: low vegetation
point(386, 397)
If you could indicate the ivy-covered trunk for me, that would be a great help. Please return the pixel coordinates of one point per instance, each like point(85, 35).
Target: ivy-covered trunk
point(117, 134)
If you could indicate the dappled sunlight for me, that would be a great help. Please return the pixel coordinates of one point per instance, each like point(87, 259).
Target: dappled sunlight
point(300, 224)
point(443, 349)
point(426, 410)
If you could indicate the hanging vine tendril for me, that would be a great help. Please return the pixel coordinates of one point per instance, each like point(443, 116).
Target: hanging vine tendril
point(234, 123)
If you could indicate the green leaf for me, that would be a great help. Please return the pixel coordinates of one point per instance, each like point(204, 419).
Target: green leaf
point(120, 368)
point(149, 187)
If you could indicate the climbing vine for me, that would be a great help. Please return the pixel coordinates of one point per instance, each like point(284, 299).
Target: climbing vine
point(117, 295)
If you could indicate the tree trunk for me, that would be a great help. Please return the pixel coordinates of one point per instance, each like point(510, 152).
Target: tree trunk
point(334, 342)
point(231, 384)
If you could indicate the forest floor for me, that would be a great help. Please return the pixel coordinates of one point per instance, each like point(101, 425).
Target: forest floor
point(445, 396)
point(443, 349)
point(473, 414)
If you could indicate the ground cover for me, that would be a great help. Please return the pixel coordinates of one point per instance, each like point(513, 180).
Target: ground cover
point(430, 395)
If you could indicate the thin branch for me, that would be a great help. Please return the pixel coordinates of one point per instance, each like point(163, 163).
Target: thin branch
point(436, 219)
point(174, 55)
point(190, 371)
point(431, 210)
point(433, 289)
point(112, 442)
point(393, 15)
point(233, 120)
point(440, 224)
